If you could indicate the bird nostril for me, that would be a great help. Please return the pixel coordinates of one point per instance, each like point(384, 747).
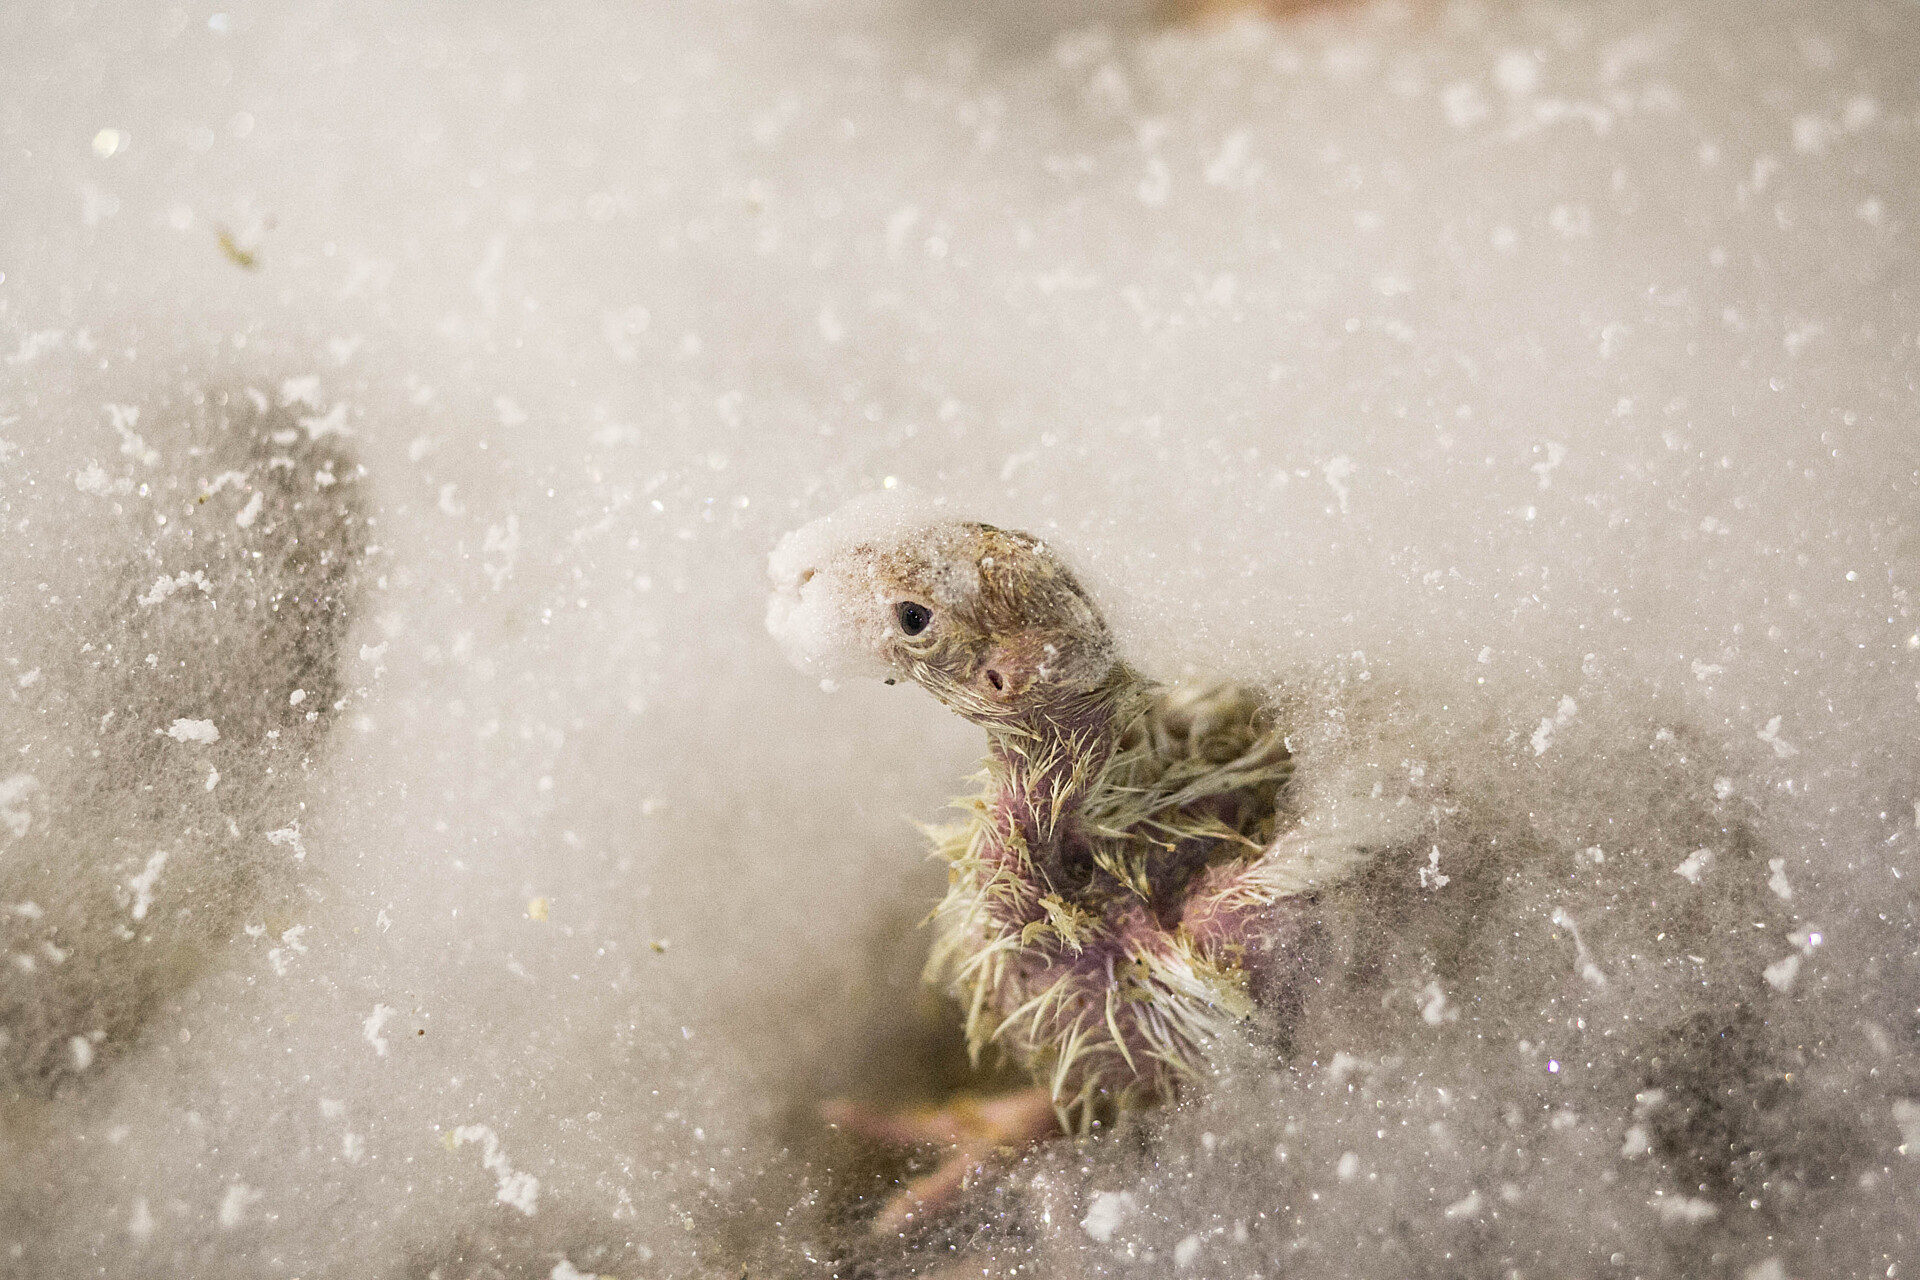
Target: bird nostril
point(806, 576)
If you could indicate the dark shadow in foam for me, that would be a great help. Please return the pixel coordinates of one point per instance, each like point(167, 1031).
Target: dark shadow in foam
point(191, 684)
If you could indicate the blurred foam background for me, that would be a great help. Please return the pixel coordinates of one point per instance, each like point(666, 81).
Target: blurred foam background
point(1549, 366)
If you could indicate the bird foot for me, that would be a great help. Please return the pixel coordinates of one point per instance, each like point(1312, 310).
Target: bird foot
point(975, 1131)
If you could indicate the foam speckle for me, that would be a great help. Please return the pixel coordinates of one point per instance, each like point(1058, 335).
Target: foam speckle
point(201, 731)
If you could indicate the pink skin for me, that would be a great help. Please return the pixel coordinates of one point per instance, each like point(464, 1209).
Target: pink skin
point(1275, 943)
point(974, 1131)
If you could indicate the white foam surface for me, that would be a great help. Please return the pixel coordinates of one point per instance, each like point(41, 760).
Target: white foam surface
point(1532, 383)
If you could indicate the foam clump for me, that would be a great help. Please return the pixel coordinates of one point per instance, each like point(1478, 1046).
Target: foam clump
point(826, 578)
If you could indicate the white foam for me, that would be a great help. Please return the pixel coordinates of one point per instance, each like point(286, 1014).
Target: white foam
point(1534, 353)
point(822, 596)
point(201, 731)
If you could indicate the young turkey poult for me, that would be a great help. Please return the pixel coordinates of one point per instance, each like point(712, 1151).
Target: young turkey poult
point(1132, 880)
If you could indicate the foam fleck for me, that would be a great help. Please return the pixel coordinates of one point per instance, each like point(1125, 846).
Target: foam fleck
point(517, 1189)
point(201, 731)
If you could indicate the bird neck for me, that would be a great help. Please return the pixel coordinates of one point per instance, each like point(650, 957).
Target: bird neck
point(1048, 756)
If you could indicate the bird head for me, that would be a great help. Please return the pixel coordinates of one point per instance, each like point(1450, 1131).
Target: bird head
point(989, 620)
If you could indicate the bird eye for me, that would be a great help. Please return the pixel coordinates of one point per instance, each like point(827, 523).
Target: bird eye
point(913, 616)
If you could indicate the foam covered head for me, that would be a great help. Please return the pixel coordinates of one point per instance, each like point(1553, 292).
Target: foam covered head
point(990, 620)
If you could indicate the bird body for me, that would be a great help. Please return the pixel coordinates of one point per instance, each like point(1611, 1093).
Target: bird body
point(1132, 879)
point(1106, 917)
